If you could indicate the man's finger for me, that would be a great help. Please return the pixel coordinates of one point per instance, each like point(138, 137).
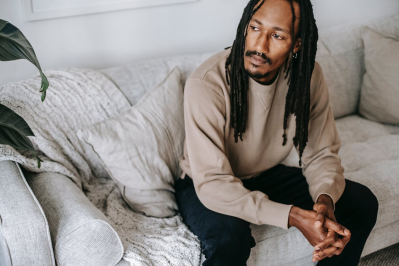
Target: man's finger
point(330, 251)
point(320, 214)
point(338, 243)
point(319, 219)
point(345, 240)
point(341, 243)
point(339, 251)
point(331, 235)
point(336, 227)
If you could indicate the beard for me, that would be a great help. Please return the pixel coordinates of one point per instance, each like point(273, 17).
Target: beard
point(257, 74)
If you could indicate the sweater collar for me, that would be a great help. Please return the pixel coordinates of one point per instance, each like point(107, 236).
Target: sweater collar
point(264, 88)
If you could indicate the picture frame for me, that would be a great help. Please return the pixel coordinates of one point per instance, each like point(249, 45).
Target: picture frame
point(45, 9)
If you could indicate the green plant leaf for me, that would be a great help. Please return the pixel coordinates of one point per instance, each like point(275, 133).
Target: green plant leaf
point(14, 131)
point(14, 46)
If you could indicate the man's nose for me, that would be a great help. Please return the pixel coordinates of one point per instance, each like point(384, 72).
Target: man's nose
point(262, 43)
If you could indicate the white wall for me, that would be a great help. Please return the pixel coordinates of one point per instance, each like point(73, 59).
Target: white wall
point(116, 38)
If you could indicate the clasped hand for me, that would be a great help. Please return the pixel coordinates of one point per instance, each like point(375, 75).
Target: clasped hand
point(325, 220)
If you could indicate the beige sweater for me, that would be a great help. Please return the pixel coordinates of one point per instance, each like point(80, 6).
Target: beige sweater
point(217, 164)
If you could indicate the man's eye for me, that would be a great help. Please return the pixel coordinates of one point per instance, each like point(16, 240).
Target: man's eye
point(254, 28)
point(278, 36)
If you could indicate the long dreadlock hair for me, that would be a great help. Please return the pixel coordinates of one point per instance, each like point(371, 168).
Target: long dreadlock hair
point(300, 71)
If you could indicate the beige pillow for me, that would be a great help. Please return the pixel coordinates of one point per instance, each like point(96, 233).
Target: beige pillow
point(141, 146)
point(379, 100)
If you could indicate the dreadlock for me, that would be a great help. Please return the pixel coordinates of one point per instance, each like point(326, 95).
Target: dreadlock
point(300, 71)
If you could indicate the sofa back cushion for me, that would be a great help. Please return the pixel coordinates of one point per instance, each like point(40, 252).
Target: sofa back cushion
point(379, 100)
point(341, 55)
point(138, 78)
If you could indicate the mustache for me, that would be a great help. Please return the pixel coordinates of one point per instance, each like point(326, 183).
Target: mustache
point(264, 57)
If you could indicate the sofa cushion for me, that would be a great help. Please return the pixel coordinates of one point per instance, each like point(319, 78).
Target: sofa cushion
point(341, 56)
point(386, 26)
point(138, 78)
point(370, 156)
point(81, 234)
point(379, 99)
point(140, 147)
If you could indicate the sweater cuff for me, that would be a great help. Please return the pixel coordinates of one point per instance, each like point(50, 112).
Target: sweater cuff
point(273, 213)
point(334, 190)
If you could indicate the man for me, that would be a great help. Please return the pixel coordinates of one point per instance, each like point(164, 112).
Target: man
point(242, 93)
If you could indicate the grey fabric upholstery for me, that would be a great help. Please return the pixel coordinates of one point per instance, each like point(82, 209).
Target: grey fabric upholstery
point(123, 262)
point(5, 256)
point(340, 53)
point(138, 78)
point(25, 236)
point(370, 156)
point(81, 234)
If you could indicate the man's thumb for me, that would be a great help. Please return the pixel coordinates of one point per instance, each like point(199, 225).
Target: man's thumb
point(319, 216)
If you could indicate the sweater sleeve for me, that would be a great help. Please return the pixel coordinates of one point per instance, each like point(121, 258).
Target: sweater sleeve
point(215, 184)
point(321, 164)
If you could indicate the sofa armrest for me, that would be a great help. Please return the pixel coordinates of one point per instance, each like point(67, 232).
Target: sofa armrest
point(81, 234)
point(24, 228)
point(5, 257)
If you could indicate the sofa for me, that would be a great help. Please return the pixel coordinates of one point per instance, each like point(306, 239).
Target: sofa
point(36, 217)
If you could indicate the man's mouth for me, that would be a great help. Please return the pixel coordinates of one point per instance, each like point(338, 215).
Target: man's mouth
point(257, 60)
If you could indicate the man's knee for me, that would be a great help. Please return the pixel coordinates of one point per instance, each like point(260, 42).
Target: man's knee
point(372, 206)
point(367, 204)
point(228, 249)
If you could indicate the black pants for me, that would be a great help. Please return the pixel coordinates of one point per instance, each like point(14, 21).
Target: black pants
point(227, 240)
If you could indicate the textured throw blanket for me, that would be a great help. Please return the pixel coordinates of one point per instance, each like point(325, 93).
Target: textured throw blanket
point(76, 98)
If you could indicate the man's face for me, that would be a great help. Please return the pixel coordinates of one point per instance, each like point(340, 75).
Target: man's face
point(269, 34)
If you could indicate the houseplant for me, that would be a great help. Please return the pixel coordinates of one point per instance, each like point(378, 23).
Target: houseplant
point(14, 130)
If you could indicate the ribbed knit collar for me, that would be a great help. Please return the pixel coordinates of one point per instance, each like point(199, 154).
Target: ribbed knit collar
point(264, 88)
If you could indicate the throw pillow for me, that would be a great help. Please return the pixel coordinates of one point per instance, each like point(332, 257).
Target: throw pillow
point(141, 146)
point(379, 100)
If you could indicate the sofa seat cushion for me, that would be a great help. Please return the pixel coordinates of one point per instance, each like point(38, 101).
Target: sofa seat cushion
point(370, 156)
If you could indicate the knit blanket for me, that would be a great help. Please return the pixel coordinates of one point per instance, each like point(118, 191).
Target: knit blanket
point(77, 98)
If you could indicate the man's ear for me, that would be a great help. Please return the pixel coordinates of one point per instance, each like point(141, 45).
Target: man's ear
point(297, 45)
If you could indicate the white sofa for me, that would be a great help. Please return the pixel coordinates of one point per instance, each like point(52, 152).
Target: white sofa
point(370, 155)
